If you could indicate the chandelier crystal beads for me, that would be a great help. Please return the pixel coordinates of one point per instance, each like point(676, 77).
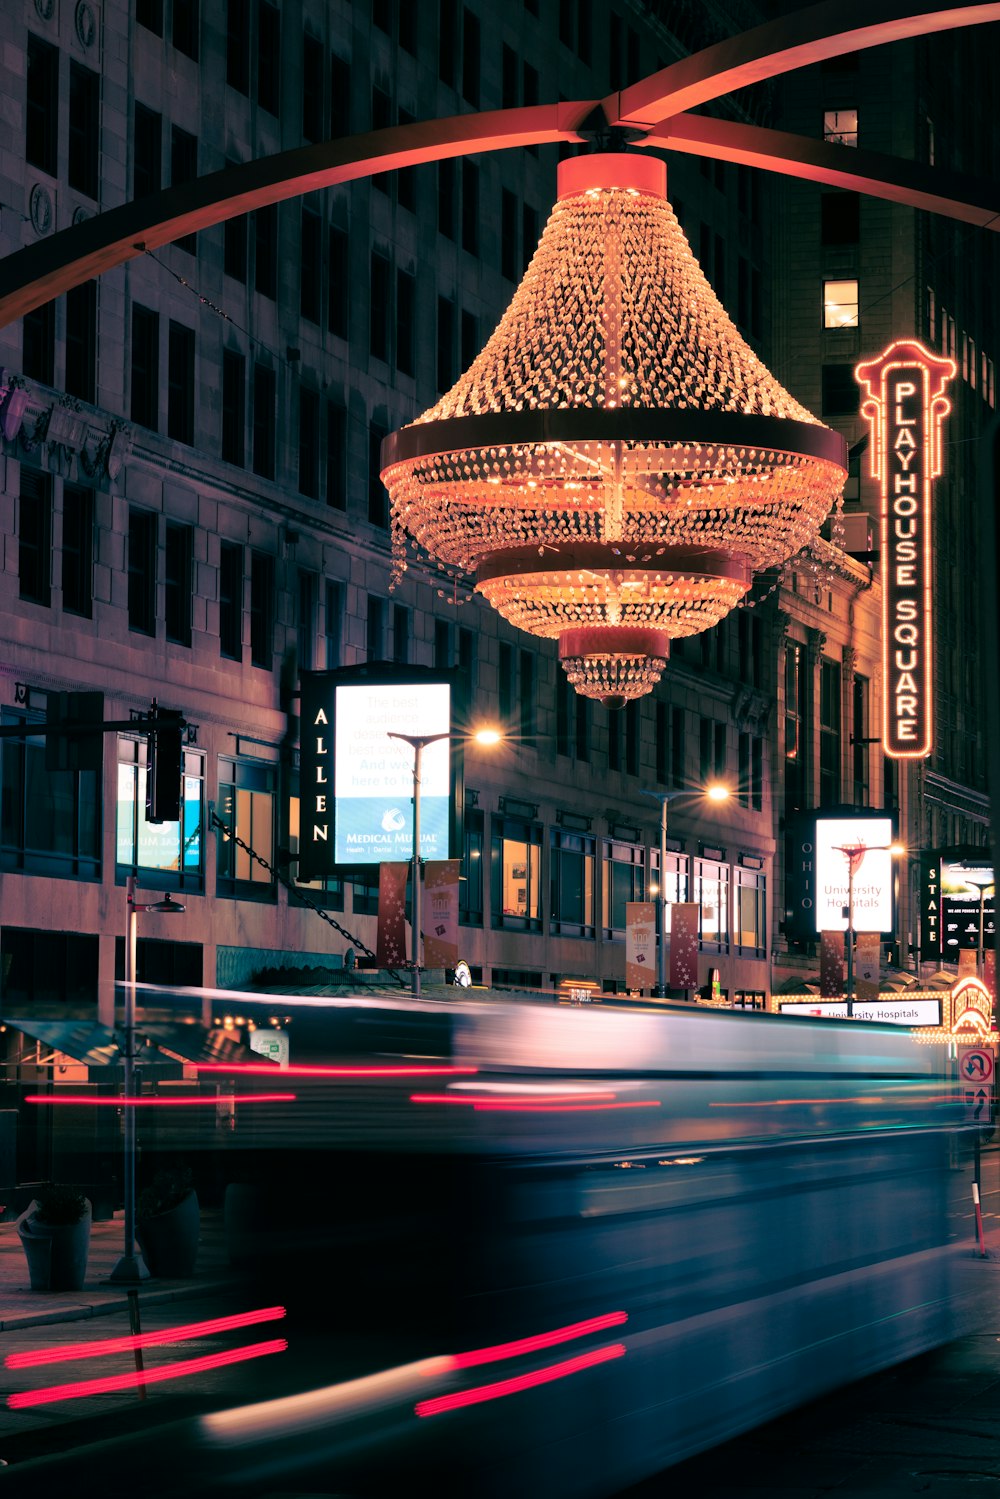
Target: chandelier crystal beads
point(617, 462)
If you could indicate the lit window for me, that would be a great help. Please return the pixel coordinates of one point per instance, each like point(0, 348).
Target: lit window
point(840, 304)
point(840, 127)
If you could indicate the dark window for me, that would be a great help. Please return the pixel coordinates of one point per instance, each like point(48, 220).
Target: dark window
point(442, 644)
point(81, 341)
point(445, 343)
point(446, 198)
point(308, 443)
point(51, 824)
point(661, 745)
point(339, 290)
point(614, 739)
point(467, 658)
point(312, 88)
point(448, 41)
point(312, 235)
point(34, 537)
point(530, 92)
point(378, 498)
point(829, 733)
point(336, 455)
point(340, 97)
point(268, 56)
point(757, 774)
point(526, 695)
point(860, 755)
point(147, 148)
point(408, 26)
point(632, 726)
point(406, 180)
point(470, 207)
point(39, 343)
point(305, 624)
point(529, 235)
point(78, 550)
point(624, 881)
point(840, 218)
point(507, 693)
point(374, 627)
point(564, 697)
point(470, 887)
point(406, 294)
point(263, 421)
point(149, 13)
point(231, 600)
point(261, 609)
point(510, 74)
point(178, 555)
point(677, 747)
point(508, 235)
point(743, 768)
point(469, 340)
point(582, 736)
point(84, 128)
point(400, 633)
point(379, 308)
point(238, 45)
point(142, 571)
point(180, 383)
point(333, 622)
point(183, 168)
point(234, 245)
point(567, 29)
point(796, 750)
point(382, 15)
point(234, 406)
point(470, 57)
point(42, 116)
point(583, 31)
point(381, 120)
point(719, 757)
point(706, 749)
point(145, 367)
point(841, 395)
point(572, 860)
point(185, 34)
point(265, 276)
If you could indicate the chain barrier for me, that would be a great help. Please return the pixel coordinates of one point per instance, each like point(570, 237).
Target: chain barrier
point(216, 821)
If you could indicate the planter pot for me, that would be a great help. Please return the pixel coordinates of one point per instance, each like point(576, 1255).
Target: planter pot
point(56, 1252)
point(169, 1242)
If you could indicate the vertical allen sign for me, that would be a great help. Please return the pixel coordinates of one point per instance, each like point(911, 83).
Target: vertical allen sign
point(905, 404)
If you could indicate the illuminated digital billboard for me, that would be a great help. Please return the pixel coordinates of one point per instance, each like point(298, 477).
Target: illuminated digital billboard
point(869, 838)
point(956, 888)
point(356, 780)
point(905, 405)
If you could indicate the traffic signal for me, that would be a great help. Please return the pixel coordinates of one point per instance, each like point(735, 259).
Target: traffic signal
point(164, 759)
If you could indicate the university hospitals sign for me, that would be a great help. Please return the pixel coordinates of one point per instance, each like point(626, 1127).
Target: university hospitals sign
point(905, 404)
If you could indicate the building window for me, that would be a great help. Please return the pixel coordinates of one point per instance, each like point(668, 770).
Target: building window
point(448, 41)
point(185, 33)
point(336, 455)
point(246, 808)
point(406, 178)
point(379, 307)
point(750, 913)
point(572, 861)
point(305, 624)
point(676, 879)
point(840, 218)
point(171, 853)
point(178, 561)
point(268, 57)
point(312, 87)
point(142, 571)
point(719, 759)
point(309, 284)
point(840, 304)
point(756, 774)
point(147, 152)
point(265, 222)
point(515, 874)
point(84, 129)
point(840, 127)
point(829, 733)
point(235, 241)
point(677, 748)
point(614, 739)
point(581, 735)
point(42, 113)
point(400, 633)
point(633, 724)
point(623, 880)
point(238, 45)
point(467, 659)
point(711, 893)
point(381, 117)
point(743, 769)
point(470, 57)
point(447, 193)
point(48, 968)
point(529, 235)
point(442, 644)
point(263, 421)
point(183, 168)
point(39, 344)
point(339, 287)
point(234, 398)
point(378, 497)
point(308, 443)
point(375, 628)
point(34, 537)
point(840, 390)
point(860, 731)
point(78, 550)
point(81, 341)
point(149, 13)
point(328, 893)
point(706, 749)
point(796, 752)
point(406, 293)
point(526, 695)
point(470, 885)
point(145, 367)
point(50, 822)
point(333, 623)
point(508, 233)
point(231, 600)
point(507, 685)
point(340, 97)
point(262, 609)
point(180, 383)
point(470, 207)
point(445, 343)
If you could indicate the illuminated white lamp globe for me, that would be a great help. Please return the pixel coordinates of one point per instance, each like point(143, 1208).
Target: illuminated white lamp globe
point(617, 462)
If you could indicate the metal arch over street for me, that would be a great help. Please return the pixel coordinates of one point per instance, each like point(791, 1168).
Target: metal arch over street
point(55, 264)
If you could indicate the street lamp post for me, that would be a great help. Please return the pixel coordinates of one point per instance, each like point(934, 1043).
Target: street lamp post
point(131, 1267)
point(854, 853)
point(715, 793)
point(972, 877)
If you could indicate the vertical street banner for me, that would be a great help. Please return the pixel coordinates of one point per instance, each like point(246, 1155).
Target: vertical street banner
point(684, 945)
point(967, 962)
point(990, 972)
point(868, 952)
point(831, 965)
point(904, 402)
point(640, 944)
point(390, 941)
point(439, 913)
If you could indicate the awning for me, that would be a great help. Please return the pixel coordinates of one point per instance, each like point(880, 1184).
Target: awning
point(84, 1041)
point(196, 1043)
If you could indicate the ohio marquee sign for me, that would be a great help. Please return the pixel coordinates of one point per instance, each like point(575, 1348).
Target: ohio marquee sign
point(905, 405)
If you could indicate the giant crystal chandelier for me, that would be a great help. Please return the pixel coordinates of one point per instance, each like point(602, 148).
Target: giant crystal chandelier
point(617, 462)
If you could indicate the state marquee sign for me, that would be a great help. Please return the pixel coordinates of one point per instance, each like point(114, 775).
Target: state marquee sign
point(905, 405)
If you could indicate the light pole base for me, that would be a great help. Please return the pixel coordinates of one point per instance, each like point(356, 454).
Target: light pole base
point(129, 1271)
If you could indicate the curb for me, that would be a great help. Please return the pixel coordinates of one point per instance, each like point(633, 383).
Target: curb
point(82, 1312)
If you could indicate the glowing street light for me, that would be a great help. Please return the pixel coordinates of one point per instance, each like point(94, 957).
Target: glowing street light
point(487, 736)
point(716, 792)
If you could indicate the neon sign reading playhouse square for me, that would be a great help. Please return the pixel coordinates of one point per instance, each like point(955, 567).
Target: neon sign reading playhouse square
point(905, 404)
